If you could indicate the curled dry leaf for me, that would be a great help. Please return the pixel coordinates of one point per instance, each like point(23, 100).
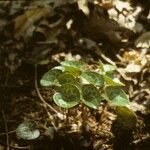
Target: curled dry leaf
point(136, 61)
point(49, 29)
point(134, 106)
point(133, 68)
point(143, 40)
point(25, 22)
point(83, 5)
point(98, 26)
point(108, 4)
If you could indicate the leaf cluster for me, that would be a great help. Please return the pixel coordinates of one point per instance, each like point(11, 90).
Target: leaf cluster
point(74, 84)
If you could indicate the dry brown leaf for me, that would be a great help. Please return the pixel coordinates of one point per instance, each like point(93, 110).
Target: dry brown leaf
point(143, 40)
point(47, 32)
point(83, 5)
point(107, 4)
point(25, 21)
point(133, 68)
point(135, 57)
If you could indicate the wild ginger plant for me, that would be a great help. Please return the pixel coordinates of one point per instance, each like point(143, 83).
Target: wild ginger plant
point(74, 84)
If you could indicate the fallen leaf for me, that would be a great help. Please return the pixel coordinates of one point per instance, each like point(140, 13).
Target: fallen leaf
point(133, 68)
point(24, 22)
point(143, 40)
point(83, 5)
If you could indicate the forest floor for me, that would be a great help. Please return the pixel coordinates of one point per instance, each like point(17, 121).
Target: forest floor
point(36, 36)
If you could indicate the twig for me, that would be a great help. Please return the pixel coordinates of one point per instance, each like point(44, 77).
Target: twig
point(10, 132)
point(99, 53)
point(141, 139)
point(19, 147)
point(16, 147)
point(6, 129)
point(60, 115)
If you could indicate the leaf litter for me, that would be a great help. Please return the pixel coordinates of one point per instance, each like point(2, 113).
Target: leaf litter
point(34, 31)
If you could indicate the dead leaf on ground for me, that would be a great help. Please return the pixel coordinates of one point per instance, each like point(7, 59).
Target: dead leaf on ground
point(25, 22)
point(99, 27)
point(136, 60)
point(143, 40)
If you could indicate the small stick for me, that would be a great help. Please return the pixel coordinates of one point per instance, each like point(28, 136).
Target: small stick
point(6, 129)
point(99, 53)
point(7, 132)
point(19, 147)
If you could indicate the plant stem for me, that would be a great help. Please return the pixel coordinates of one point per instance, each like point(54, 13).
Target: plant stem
point(60, 115)
point(6, 128)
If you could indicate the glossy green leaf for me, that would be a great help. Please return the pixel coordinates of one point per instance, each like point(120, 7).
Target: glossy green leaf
point(112, 82)
point(68, 96)
point(107, 67)
point(91, 96)
point(101, 65)
point(126, 117)
point(72, 63)
point(62, 68)
point(93, 78)
point(116, 96)
point(49, 78)
point(66, 78)
point(58, 99)
point(72, 70)
point(27, 131)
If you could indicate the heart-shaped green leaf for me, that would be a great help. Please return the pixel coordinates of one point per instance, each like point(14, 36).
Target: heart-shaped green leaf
point(27, 131)
point(91, 96)
point(72, 63)
point(49, 78)
point(66, 78)
point(93, 78)
point(68, 96)
point(73, 67)
point(112, 82)
point(73, 70)
point(62, 68)
point(107, 67)
point(116, 96)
